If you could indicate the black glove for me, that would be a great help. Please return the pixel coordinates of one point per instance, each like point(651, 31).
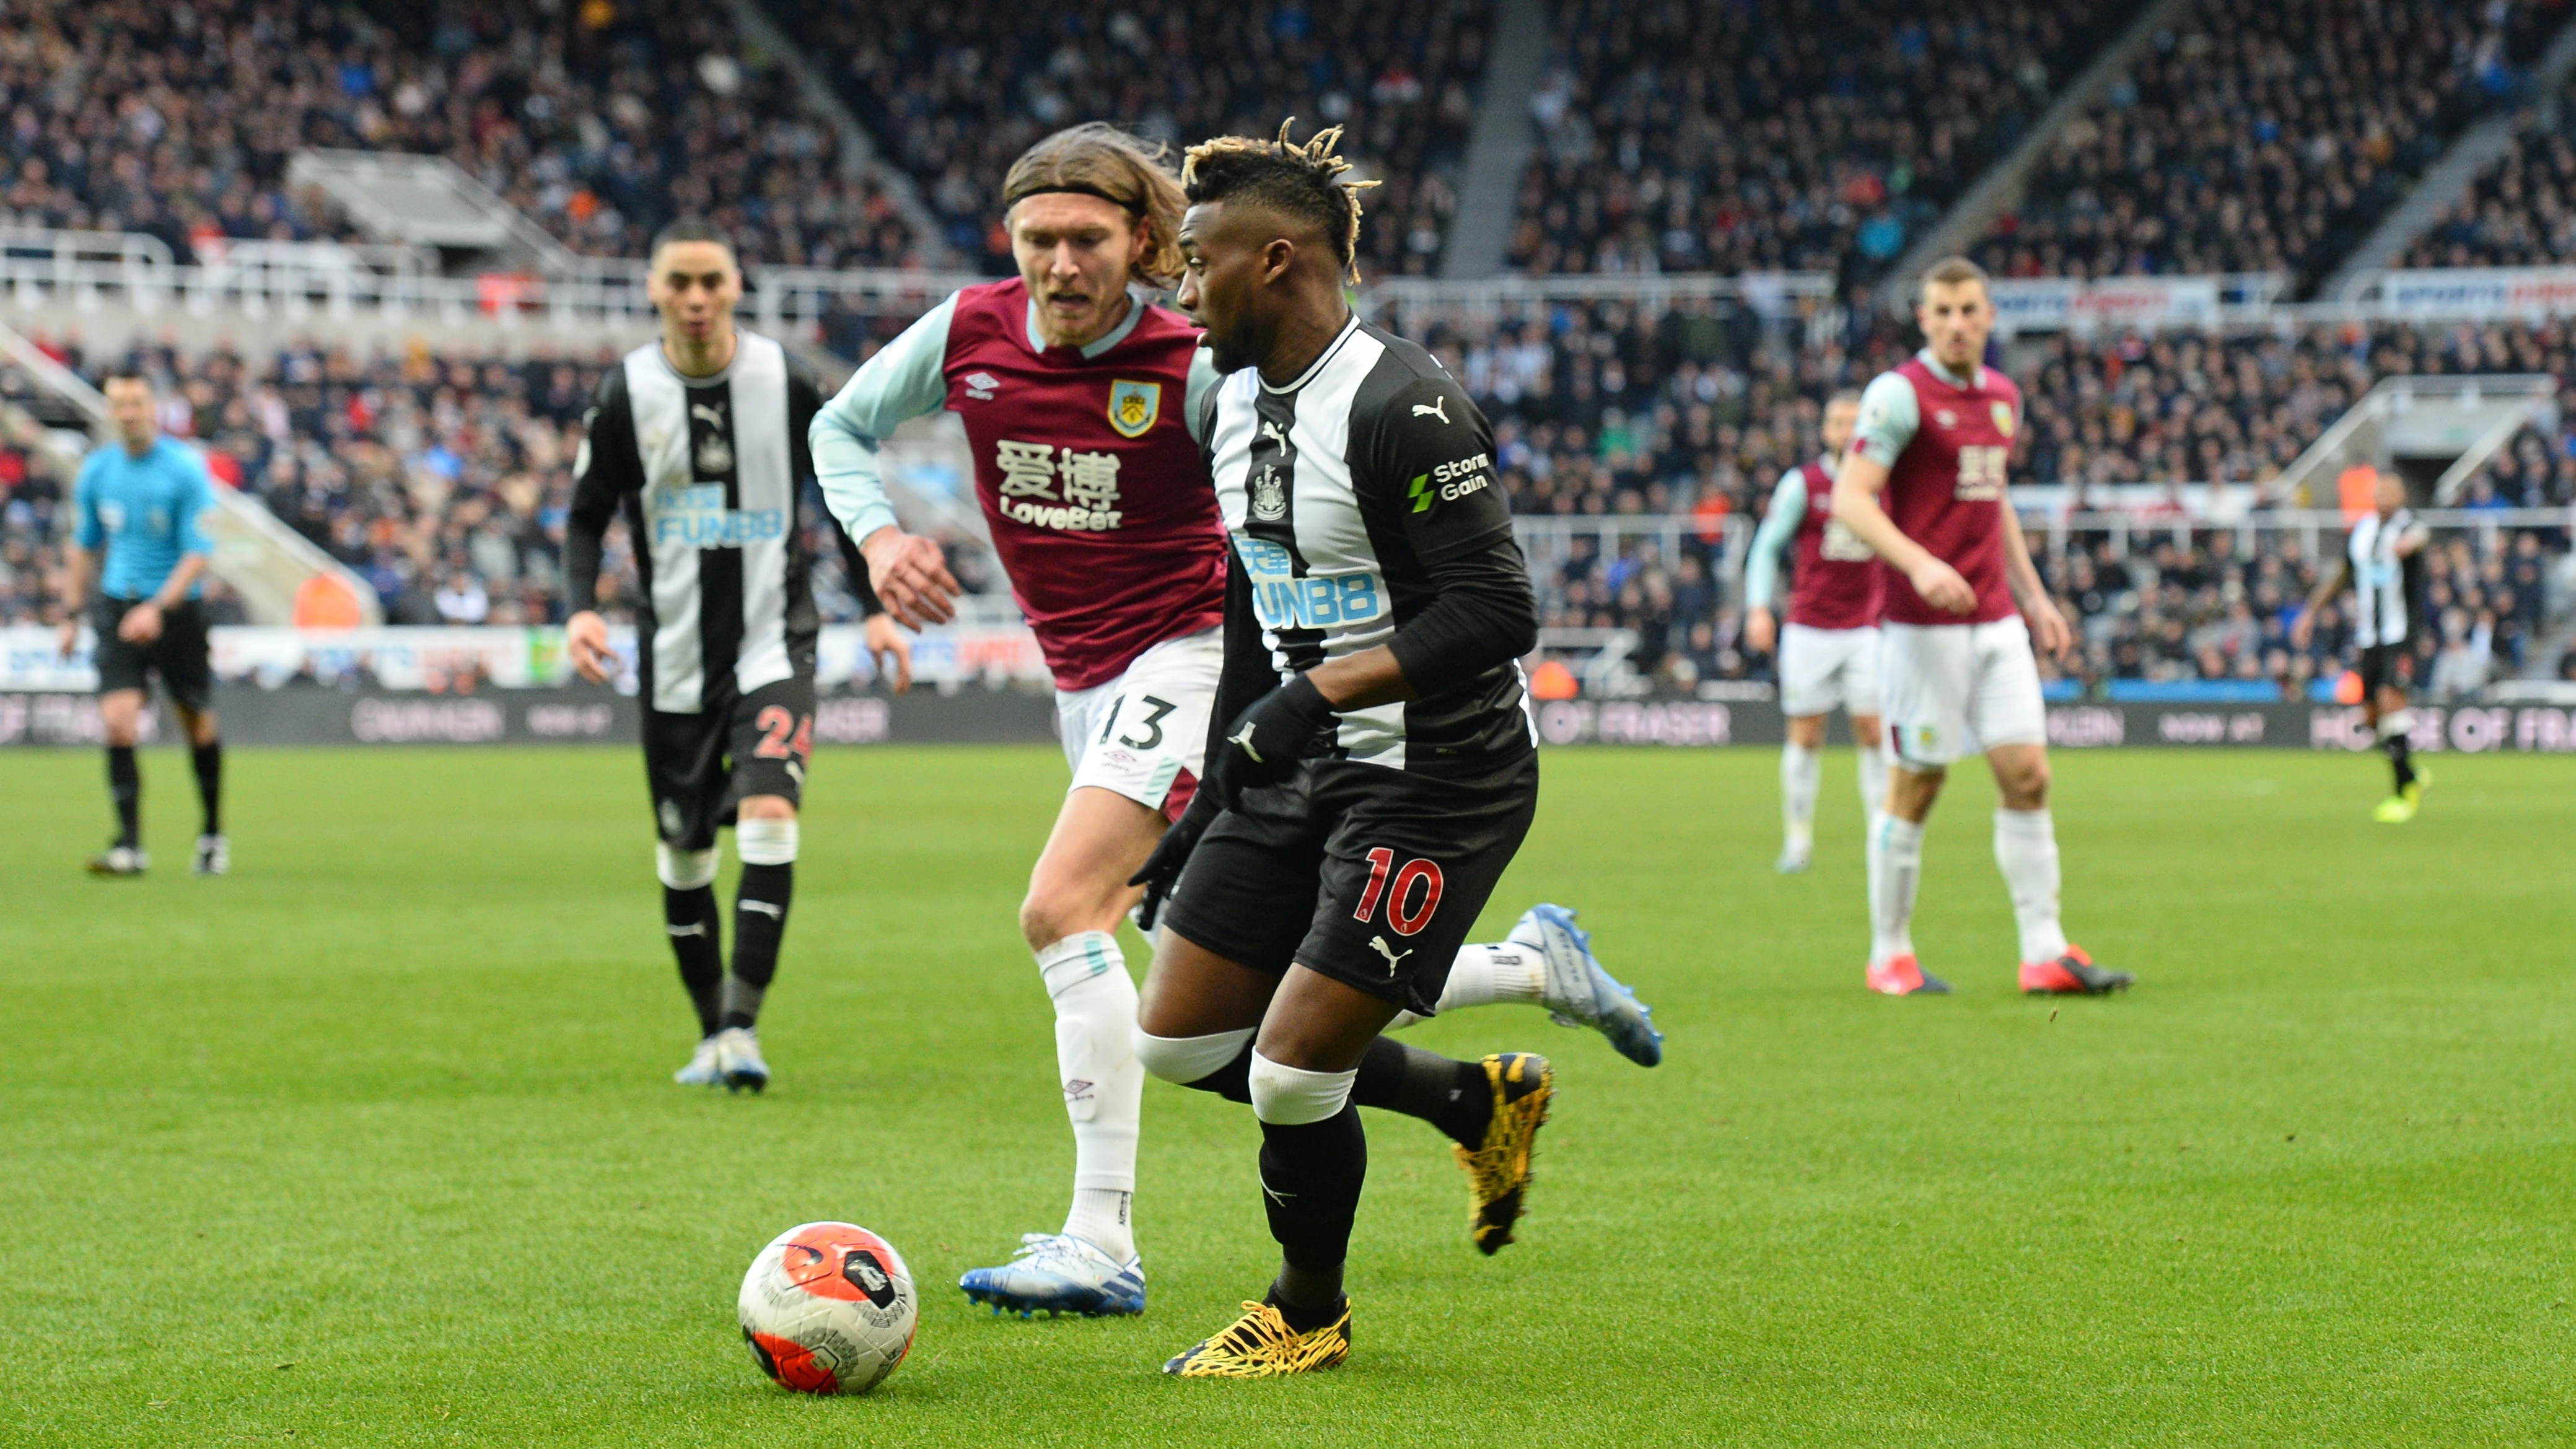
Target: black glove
point(1265, 742)
point(1162, 869)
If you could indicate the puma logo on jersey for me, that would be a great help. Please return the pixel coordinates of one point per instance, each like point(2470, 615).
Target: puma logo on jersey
point(711, 416)
point(1436, 408)
point(1272, 432)
point(1393, 956)
point(1243, 742)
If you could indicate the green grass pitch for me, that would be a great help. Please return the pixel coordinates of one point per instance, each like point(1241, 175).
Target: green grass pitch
point(374, 1142)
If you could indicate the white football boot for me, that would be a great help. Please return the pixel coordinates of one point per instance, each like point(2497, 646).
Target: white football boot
point(120, 860)
point(705, 1068)
point(1059, 1273)
point(214, 856)
point(738, 1057)
point(1579, 992)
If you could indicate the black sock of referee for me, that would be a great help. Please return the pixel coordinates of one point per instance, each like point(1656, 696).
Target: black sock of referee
point(690, 917)
point(1450, 1095)
point(759, 924)
point(209, 759)
point(125, 787)
point(2400, 763)
point(1310, 1186)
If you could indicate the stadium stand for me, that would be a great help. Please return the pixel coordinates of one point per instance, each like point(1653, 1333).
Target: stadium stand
point(599, 121)
point(2521, 212)
point(1687, 137)
point(957, 91)
point(2267, 136)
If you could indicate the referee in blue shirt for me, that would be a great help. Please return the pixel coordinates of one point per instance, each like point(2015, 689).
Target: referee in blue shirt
point(138, 508)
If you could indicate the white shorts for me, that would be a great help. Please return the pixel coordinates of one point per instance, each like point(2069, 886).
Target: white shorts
point(1953, 690)
point(1145, 732)
point(1822, 670)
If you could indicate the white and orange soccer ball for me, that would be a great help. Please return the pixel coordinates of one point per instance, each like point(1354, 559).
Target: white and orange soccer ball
point(828, 1308)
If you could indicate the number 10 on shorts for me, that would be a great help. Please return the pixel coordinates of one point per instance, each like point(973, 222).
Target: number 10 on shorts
point(1410, 900)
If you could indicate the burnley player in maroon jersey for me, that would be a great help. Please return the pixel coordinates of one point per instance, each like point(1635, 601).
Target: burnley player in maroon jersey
point(1084, 410)
point(1828, 653)
point(1923, 486)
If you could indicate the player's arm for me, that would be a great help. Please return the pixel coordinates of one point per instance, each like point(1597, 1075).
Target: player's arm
point(885, 643)
point(2411, 542)
point(905, 380)
point(1246, 675)
point(1435, 482)
point(142, 623)
point(1762, 561)
point(1889, 416)
point(80, 552)
point(2331, 586)
point(604, 471)
point(2048, 627)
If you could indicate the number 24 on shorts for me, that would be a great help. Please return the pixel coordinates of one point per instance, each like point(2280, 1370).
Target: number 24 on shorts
point(774, 723)
point(1410, 900)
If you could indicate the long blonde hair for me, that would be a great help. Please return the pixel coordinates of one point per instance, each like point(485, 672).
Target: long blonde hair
point(1098, 159)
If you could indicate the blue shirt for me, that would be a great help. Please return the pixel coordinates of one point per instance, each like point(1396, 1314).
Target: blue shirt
point(145, 512)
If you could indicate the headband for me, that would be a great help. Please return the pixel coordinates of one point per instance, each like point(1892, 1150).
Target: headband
point(1075, 188)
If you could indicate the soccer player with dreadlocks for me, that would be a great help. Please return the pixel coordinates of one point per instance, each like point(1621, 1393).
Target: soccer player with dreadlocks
point(1374, 766)
point(1084, 406)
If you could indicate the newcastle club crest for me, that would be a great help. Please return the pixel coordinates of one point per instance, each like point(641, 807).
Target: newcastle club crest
point(1269, 495)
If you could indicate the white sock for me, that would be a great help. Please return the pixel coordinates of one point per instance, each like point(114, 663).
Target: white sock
point(1104, 1084)
point(1484, 975)
point(1801, 769)
point(1873, 778)
point(1895, 868)
point(2026, 850)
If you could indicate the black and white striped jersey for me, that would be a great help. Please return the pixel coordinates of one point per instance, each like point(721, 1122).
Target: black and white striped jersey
point(2382, 580)
point(710, 473)
point(1353, 496)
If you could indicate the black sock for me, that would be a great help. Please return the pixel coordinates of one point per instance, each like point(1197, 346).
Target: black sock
point(210, 784)
point(2400, 763)
point(1310, 1185)
point(1450, 1095)
point(125, 787)
point(690, 917)
point(1233, 1081)
point(759, 924)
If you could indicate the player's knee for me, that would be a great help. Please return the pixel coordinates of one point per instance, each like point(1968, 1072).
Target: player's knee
point(684, 870)
point(2024, 786)
point(1286, 1096)
point(1807, 731)
point(1055, 909)
point(765, 839)
point(1184, 1060)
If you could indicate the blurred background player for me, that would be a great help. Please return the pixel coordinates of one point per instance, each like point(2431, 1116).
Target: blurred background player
point(2380, 564)
point(1962, 604)
point(1380, 768)
point(700, 439)
point(1828, 653)
point(1083, 406)
point(139, 504)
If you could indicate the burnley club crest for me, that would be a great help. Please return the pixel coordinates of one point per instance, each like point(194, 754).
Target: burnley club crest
point(1133, 406)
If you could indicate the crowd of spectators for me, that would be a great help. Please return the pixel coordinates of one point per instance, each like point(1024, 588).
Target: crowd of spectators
point(1678, 136)
point(1644, 432)
point(2520, 212)
point(599, 119)
point(441, 480)
point(2264, 136)
point(958, 90)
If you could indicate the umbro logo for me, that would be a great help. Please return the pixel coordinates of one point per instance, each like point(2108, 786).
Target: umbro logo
point(1437, 408)
point(981, 385)
point(1077, 1090)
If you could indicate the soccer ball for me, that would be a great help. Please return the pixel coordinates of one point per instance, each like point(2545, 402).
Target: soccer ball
point(828, 1308)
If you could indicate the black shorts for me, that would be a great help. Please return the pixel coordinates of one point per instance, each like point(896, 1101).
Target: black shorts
point(700, 766)
point(2387, 666)
point(1368, 875)
point(179, 656)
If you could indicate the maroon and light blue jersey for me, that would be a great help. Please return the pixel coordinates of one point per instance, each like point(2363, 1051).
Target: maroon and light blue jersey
point(1834, 583)
point(1945, 445)
point(1087, 466)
